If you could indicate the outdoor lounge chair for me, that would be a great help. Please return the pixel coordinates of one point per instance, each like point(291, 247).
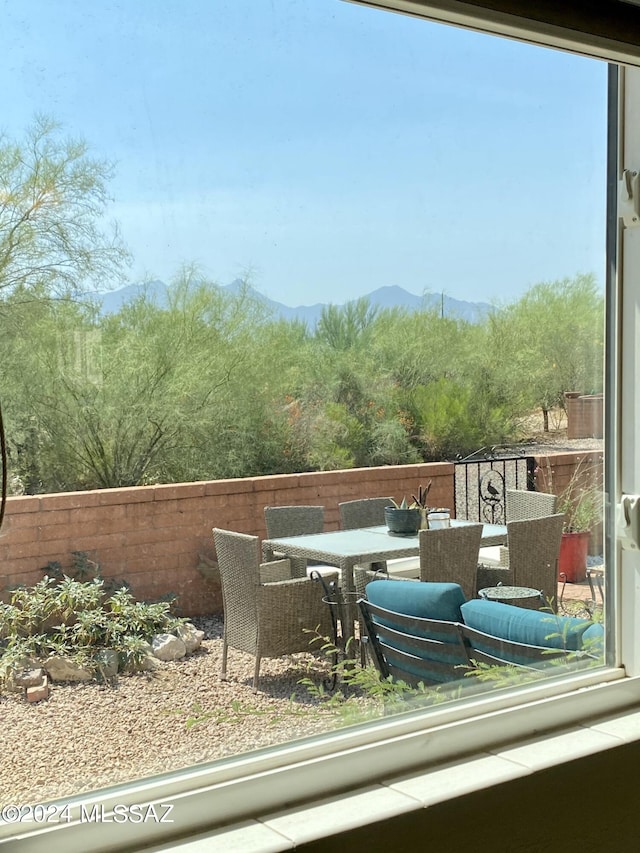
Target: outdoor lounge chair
point(427, 633)
point(266, 613)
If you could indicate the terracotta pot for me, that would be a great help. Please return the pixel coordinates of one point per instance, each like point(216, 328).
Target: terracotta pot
point(572, 562)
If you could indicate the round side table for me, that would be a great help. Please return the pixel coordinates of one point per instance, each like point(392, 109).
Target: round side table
point(520, 596)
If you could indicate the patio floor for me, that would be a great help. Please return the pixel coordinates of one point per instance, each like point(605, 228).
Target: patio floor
point(571, 595)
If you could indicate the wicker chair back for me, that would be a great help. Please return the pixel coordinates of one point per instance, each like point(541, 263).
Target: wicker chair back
point(534, 548)
point(450, 555)
point(523, 504)
point(365, 512)
point(293, 520)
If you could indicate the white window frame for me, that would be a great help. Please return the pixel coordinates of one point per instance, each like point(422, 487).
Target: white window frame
point(254, 784)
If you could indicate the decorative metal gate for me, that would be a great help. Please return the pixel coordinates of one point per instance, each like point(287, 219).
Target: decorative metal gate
point(482, 479)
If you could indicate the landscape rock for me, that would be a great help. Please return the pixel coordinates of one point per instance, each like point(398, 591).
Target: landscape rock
point(38, 692)
point(149, 663)
point(62, 669)
point(28, 677)
point(27, 674)
point(146, 662)
point(190, 636)
point(168, 647)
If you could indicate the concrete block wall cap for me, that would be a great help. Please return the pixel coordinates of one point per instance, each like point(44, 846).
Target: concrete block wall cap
point(169, 491)
point(21, 503)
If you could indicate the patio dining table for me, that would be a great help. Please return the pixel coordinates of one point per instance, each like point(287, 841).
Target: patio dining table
point(360, 546)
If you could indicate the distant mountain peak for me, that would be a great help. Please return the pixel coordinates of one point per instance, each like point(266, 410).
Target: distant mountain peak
point(387, 296)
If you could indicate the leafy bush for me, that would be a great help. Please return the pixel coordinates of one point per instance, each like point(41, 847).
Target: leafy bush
point(211, 387)
point(450, 419)
point(79, 620)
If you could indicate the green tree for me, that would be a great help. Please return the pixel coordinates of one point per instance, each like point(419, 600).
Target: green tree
point(133, 397)
point(350, 400)
point(345, 327)
point(443, 402)
point(53, 196)
point(556, 341)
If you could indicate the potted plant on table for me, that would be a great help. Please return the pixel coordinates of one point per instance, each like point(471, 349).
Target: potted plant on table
point(402, 518)
point(407, 518)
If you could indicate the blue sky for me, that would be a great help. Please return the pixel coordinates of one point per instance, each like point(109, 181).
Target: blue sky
point(323, 148)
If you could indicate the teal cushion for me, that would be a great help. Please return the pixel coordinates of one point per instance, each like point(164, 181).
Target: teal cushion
point(593, 639)
point(532, 627)
point(427, 600)
point(440, 601)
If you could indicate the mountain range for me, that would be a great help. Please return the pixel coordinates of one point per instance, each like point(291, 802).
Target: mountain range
point(384, 297)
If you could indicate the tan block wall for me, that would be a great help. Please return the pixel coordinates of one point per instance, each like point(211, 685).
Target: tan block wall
point(153, 536)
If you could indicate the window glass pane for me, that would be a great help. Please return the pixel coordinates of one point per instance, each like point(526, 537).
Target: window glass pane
point(436, 201)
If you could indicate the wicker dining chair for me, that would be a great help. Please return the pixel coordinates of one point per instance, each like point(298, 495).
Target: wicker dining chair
point(534, 548)
point(521, 504)
point(447, 555)
point(369, 512)
point(283, 521)
point(364, 512)
point(293, 520)
point(265, 618)
point(450, 555)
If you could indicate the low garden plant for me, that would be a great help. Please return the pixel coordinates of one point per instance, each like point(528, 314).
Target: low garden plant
point(80, 620)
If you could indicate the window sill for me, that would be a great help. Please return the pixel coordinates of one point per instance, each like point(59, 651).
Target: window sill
point(288, 829)
point(393, 767)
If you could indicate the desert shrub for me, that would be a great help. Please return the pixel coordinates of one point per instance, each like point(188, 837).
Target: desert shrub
point(449, 420)
point(78, 619)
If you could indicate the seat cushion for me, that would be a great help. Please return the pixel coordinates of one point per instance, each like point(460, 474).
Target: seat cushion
point(519, 625)
point(493, 555)
point(404, 567)
point(593, 639)
point(325, 571)
point(426, 600)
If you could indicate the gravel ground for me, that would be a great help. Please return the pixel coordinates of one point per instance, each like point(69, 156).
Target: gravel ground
point(555, 440)
point(89, 736)
point(561, 444)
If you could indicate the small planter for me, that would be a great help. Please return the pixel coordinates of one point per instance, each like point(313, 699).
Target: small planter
point(572, 562)
point(405, 522)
